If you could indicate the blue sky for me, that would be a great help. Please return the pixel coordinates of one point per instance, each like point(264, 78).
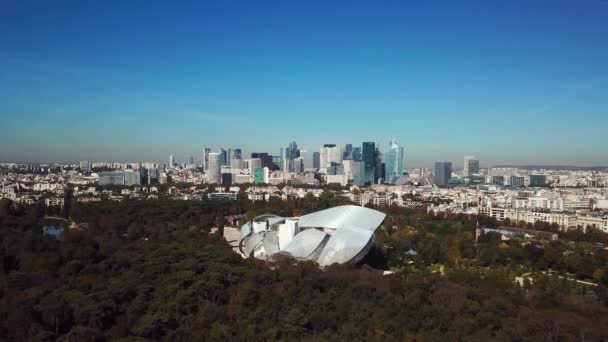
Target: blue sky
point(512, 82)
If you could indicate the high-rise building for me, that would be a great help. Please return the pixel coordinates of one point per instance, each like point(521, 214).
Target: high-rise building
point(171, 161)
point(471, 166)
point(236, 163)
point(443, 173)
point(236, 153)
point(538, 180)
point(290, 154)
point(223, 155)
point(284, 164)
point(261, 175)
point(356, 153)
point(112, 178)
point(498, 180)
point(394, 162)
point(214, 175)
point(226, 179)
point(298, 165)
point(85, 166)
point(191, 160)
point(316, 160)
point(303, 154)
point(517, 181)
point(254, 163)
point(267, 160)
point(132, 177)
point(359, 173)
point(369, 158)
point(348, 152)
point(206, 152)
point(379, 171)
point(329, 154)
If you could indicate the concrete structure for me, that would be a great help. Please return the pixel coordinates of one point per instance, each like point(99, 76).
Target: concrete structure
point(443, 173)
point(214, 175)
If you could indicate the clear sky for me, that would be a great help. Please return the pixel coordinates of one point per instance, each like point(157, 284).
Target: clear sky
point(515, 82)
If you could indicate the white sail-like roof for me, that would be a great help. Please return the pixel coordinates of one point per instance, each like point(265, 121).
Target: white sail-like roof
point(336, 235)
point(344, 245)
point(345, 216)
point(304, 244)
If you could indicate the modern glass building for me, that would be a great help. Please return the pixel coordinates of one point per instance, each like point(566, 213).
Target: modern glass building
point(112, 178)
point(369, 158)
point(538, 180)
point(316, 160)
point(260, 175)
point(443, 173)
point(359, 173)
point(394, 162)
point(517, 181)
point(356, 153)
point(132, 178)
point(223, 155)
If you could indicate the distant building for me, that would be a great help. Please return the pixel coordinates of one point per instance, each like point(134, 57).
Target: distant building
point(359, 173)
point(261, 175)
point(517, 181)
point(206, 152)
point(112, 178)
point(394, 162)
point(132, 177)
point(85, 166)
point(266, 160)
point(226, 179)
point(498, 180)
point(538, 180)
point(218, 196)
point(329, 154)
point(254, 163)
point(316, 160)
point(223, 157)
point(171, 161)
point(443, 173)
point(356, 153)
point(214, 175)
point(369, 158)
point(471, 166)
point(348, 152)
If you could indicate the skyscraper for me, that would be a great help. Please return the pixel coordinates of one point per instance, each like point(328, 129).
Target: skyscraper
point(236, 153)
point(329, 154)
point(316, 160)
point(348, 152)
point(303, 155)
point(369, 158)
point(171, 161)
point(356, 153)
point(214, 176)
point(379, 169)
point(254, 163)
point(359, 173)
point(471, 166)
point(394, 162)
point(206, 152)
point(223, 156)
point(291, 154)
point(284, 164)
point(443, 172)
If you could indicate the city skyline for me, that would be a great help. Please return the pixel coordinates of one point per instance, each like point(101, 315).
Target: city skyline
point(118, 81)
